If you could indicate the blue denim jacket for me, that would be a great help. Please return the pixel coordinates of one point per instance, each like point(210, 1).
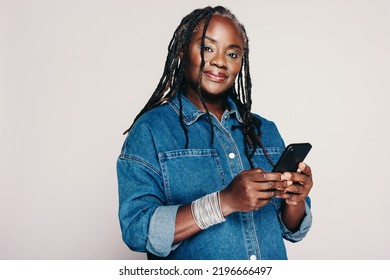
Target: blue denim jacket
point(156, 174)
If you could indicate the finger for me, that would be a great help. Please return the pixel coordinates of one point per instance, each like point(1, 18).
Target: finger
point(305, 169)
point(270, 185)
point(280, 193)
point(291, 202)
point(266, 195)
point(295, 189)
point(290, 199)
point(297, 177)
point(283, 185)
point(260, 200)
point(258, 175)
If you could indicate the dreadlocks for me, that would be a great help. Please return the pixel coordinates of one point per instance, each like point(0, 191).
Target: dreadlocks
point(173, 78)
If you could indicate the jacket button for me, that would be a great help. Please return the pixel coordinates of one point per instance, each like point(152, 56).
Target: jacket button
point(253, 257)
point(232, 155)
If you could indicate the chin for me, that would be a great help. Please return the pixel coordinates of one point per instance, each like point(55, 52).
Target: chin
point(213, 90)
point(214, 94)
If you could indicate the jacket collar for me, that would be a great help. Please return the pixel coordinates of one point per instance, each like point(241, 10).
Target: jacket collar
point(191, 114)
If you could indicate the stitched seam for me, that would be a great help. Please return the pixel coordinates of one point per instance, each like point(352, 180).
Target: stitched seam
point(141, 162)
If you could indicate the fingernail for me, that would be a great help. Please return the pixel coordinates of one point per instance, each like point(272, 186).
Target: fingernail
point(290, 202)
point(287, 175)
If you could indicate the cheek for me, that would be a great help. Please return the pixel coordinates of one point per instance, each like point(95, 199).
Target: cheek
point(193, 57)
point(235, 69)
point(192, 65)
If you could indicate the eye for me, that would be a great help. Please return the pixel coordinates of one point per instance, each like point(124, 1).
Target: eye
point(206, 48)
point(233, 55)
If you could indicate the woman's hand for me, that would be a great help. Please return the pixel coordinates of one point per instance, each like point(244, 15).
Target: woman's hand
point(299, 185)
point(250, 190)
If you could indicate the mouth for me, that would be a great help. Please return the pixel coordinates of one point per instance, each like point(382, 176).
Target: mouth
point(215, 76)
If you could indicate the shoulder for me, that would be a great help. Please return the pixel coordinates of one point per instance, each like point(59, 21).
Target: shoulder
point(155, 119)
point(269, 131)
point(265, 123)
point(151, 129)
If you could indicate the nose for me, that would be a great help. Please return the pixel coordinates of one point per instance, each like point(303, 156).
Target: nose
point(218, 60)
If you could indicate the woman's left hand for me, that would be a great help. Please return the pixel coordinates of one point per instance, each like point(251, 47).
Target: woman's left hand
point(299, 185)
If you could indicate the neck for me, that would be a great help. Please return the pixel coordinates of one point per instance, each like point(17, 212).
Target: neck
point(215, 104)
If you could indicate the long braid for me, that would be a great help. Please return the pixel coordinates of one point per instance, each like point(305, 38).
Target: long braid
point(202, 63)
point(182, 124)
point(173, 78)
point(173, 75)
point(242, 96)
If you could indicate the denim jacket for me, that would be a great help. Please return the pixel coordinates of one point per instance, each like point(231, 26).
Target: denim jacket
point(156, 174)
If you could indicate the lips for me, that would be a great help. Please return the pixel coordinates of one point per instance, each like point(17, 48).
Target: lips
point(216, 76)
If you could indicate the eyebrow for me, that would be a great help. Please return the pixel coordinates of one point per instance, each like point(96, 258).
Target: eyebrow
point(235, 46)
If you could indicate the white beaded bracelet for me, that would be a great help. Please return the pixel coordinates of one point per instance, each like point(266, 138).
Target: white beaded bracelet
point(207, 210)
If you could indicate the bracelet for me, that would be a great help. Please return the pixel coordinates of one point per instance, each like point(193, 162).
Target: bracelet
point(207, 210)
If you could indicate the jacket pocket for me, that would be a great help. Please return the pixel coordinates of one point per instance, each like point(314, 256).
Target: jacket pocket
point(190, 174)
point(260, 159)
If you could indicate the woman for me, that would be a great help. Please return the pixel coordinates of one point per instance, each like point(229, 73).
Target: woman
point(193, 173)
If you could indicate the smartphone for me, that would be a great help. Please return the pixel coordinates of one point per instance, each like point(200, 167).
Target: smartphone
point(291, 157)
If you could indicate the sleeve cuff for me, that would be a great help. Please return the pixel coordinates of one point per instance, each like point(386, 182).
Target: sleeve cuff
point(162, 231)
point(303, 229)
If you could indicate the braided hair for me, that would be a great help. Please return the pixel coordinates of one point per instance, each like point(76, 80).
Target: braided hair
point(173, 78)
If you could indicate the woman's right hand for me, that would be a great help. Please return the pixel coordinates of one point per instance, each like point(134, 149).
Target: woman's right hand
point(250, 190)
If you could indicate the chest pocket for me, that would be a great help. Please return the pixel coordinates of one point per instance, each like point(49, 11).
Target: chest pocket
point(260, 160)
point(191, 173)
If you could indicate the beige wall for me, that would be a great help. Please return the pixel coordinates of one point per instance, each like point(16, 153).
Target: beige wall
point(73, 74)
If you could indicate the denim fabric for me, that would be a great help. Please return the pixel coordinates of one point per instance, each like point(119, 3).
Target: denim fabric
point(156, 174)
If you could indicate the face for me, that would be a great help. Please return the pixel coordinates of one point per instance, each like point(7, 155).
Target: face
point(223, 51)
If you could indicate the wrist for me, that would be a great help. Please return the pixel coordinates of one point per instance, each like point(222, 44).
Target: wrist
point(297, 209)
point(225, 203)
point(294, 203)
point(206, 211)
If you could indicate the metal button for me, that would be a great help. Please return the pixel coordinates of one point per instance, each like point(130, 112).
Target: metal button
point(253, 257)
point(232, 155)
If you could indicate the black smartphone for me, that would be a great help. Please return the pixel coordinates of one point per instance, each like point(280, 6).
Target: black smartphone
point(291, 157)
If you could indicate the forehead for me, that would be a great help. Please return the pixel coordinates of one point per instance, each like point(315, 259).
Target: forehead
point(220, 26)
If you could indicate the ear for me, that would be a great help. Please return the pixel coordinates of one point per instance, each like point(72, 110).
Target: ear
point(181, 54)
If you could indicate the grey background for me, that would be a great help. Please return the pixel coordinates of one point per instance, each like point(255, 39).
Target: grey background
point(73, 75)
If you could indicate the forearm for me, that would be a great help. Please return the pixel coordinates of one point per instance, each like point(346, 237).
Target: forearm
point(200, 214)
point(185, 224)
point(292, 215)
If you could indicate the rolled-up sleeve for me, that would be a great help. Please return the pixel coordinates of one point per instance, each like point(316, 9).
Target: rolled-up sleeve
point(161, 236)
point(147, 224)
point(303, 229)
